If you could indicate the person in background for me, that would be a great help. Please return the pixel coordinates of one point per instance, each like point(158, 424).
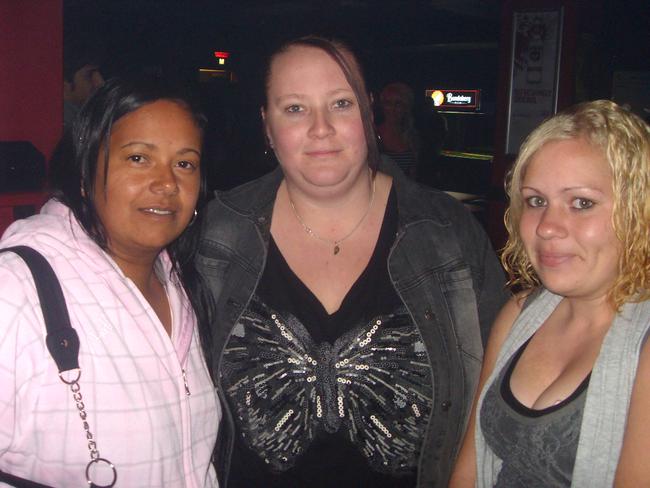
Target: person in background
point(399, 137)
point(350, 303)
point(81, 78)
point(565, 386)
point(118, 235)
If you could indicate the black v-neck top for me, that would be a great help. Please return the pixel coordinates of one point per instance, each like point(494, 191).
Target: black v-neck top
point(371, 294)
point(326, 400)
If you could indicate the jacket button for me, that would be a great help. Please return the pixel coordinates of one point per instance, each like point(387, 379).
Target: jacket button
point(445, 405)
point(428, 314)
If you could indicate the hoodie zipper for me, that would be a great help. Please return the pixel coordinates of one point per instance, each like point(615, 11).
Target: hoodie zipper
point(187, 388)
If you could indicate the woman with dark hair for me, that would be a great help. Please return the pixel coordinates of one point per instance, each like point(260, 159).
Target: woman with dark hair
point(350, 303)
point(116, 234)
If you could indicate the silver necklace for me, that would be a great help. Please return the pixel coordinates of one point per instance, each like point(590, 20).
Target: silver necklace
point(336, 243)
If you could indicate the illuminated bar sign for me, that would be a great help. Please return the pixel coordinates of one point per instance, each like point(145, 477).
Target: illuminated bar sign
point(221, 56)
point(455, 100)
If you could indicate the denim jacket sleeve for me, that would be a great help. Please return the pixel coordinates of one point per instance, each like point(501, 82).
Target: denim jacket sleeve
point(443, 267)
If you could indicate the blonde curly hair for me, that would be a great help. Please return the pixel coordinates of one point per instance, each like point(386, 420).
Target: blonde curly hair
point(625, 141)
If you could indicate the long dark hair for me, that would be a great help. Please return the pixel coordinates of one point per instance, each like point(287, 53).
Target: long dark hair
point(72, 178)
point(338, 50)
point(73, 172)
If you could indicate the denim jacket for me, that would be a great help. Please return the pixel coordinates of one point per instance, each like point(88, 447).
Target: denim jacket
point(441, 264)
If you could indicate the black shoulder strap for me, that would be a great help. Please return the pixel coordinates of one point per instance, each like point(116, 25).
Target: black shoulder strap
point(18, 482)
point(62, 340)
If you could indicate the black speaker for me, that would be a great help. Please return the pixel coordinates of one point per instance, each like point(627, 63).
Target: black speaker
point(22, 166)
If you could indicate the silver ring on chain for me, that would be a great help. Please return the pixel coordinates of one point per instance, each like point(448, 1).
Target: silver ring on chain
point(71, 382)
point(91, 483)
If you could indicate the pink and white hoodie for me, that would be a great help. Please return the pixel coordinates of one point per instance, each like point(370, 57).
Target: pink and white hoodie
point(133, 379)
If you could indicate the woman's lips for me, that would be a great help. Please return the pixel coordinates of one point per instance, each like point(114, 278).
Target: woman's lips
point(322, 153)
point(157, 211)
point(553, 259)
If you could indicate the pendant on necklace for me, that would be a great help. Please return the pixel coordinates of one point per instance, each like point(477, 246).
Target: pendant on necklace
point(336, 249)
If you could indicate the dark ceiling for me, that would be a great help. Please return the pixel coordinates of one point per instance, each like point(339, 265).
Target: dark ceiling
point(442, 42)
point(185, 33)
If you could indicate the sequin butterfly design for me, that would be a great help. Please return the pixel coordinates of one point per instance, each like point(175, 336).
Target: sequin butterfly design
point(375, 381)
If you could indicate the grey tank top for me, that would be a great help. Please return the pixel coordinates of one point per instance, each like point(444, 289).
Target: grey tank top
point(538, 447)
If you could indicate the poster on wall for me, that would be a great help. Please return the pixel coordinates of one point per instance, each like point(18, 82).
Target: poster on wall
point(536, 47)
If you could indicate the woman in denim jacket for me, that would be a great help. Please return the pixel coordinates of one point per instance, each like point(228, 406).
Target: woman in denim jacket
point(351, 305)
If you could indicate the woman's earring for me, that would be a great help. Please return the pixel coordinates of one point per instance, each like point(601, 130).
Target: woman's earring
point(268, 147)
point(193, 218)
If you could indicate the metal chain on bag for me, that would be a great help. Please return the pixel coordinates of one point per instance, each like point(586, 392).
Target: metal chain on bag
point(95, 459)
point(63, 344)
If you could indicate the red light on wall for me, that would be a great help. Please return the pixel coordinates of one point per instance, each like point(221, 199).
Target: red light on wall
point(221, 54)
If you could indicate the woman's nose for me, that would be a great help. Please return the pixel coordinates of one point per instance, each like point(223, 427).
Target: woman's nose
point(321, 125)
point(552, 224)
point(164, 181)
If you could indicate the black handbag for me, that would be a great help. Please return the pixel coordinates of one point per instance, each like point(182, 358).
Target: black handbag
point(63, 344)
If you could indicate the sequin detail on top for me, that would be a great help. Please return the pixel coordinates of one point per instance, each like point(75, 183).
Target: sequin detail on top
point(375, 381)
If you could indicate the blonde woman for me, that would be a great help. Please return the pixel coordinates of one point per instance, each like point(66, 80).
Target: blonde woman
point(565, 385)
point(398, 137)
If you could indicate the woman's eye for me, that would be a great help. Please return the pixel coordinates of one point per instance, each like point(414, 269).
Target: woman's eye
point(343, 103)
point(535, 201)
point(136, 158)
point(186, 165)
point(292, 109)
point(582, 203)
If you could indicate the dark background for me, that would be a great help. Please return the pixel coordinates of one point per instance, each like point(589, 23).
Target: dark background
point(434, 43)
